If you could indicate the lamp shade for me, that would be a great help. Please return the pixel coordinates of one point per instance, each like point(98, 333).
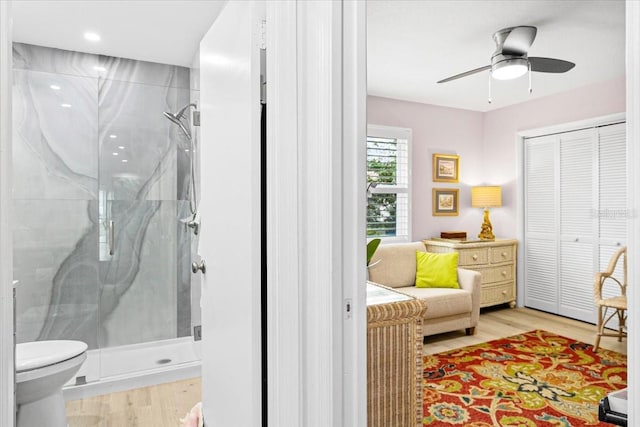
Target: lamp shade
point(486, 196)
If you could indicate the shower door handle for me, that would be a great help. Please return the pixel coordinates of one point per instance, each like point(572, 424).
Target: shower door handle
point(112, 237)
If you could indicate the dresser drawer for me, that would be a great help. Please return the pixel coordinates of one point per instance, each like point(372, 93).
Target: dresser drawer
point(497, 294)
point(473, 256)
point(501, 254)
point(494, 260)
point(496, 274)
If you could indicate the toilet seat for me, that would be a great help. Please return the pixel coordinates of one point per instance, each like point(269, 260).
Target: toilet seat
point(39, 354)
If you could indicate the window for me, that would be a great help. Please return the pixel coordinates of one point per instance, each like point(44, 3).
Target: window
point(388, 183)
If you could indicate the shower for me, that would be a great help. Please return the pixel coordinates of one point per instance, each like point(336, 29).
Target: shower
point(176, 118)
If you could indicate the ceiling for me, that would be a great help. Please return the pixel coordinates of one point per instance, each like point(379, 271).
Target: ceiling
point(166, 31)
point(413, 44)
point(410, 44)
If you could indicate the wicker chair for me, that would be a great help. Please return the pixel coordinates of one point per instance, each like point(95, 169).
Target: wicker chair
point(617, 303)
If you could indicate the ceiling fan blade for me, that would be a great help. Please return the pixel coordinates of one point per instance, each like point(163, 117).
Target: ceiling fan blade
point(550, 65)
point(519, 40)
point(466, 73)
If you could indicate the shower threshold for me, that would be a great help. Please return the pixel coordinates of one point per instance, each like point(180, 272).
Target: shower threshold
point(134, 366)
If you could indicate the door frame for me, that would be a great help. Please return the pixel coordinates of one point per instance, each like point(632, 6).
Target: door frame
point(520, 199)
point(633, 184)
point(316, 78)
point(7, 376)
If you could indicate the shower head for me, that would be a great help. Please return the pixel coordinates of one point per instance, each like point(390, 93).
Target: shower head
point(175, 118)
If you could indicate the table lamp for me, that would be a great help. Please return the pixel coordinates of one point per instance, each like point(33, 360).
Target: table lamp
point(486, 197)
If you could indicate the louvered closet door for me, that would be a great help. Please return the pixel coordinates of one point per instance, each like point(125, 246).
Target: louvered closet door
point(541, 205)
point(575, 216)
point(577, 155)
point(612, 211)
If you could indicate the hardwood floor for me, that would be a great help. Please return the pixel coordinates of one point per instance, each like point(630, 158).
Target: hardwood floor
point(163, 405)
point(502, 322)
point(157, 406)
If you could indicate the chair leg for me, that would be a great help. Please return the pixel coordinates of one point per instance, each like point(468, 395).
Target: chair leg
point(620, 325)
point(599, 327)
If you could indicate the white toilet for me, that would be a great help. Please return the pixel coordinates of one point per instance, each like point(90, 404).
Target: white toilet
point(42, 368)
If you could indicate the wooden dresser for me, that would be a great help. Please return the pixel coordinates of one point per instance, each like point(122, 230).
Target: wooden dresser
point(494, 260)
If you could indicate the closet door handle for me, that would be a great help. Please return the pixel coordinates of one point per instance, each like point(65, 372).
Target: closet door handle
point(112, 237)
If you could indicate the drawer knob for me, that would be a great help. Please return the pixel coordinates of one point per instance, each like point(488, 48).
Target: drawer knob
point(475, 257)
point(504, 292)
point(504, 273)
point(504, 254)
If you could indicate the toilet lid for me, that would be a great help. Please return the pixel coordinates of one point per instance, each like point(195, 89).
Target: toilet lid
point(38, 354)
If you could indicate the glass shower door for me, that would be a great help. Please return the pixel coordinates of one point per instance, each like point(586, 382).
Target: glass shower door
point(144, 249)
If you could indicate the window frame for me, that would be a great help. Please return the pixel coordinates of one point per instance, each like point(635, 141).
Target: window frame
point(397, 133)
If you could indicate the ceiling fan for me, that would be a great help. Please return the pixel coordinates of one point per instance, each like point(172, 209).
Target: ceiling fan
point(510, 59)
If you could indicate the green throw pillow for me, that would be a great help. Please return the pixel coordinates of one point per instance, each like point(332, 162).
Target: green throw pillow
point(437, 270)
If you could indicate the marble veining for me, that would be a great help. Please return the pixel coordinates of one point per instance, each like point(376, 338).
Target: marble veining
point(55, 148)
point(52, 60)
point(59, 61)
point(151, 73)
point(55, 260)
point(110, 155)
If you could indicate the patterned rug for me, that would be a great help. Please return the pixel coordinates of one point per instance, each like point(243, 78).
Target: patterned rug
point(532, 379)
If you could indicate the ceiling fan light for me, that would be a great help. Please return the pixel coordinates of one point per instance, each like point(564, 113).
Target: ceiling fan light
point(510, 69)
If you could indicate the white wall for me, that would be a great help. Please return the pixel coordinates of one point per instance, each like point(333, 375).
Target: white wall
point(486, 145)
point(437, 130)
point(500, 128)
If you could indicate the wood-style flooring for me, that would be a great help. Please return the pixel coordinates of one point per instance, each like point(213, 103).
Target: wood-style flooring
point(163, 405)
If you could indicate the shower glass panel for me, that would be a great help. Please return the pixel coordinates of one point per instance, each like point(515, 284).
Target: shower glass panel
point(101, 181)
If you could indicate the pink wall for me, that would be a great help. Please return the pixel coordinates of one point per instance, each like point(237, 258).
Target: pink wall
point(486, 144)
point(501, 127)
point(436, 130)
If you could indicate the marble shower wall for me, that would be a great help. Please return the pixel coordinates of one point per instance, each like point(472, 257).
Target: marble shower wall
point(91, 146)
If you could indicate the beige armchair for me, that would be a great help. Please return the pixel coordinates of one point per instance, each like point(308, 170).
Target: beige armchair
point(394, 265)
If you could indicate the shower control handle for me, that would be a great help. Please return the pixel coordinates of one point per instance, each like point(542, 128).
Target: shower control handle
point(202, 267)
point(112, 237)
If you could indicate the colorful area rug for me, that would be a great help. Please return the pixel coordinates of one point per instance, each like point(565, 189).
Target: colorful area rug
point(532, 379)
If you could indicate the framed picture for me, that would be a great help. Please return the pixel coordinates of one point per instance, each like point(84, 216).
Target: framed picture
point(446, 168)
point(445, 202)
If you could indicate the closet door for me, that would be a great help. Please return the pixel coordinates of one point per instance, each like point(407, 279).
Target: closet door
point(575, 216)
point(612, 188)
point(541, 224)
point(577, 222)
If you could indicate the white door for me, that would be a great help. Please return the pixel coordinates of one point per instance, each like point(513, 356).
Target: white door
point(575, 216)
point(541, 225)
point(230, 216)
point(576, 245)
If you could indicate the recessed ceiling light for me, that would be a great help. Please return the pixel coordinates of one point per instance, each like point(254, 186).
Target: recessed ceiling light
point(124, 160)
point(92, 37)
point(98, 68)
point(186, 149)
point(65, 105)
point(55, 87)
point(113, 136)
point(121, 147)
point(115, 153)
